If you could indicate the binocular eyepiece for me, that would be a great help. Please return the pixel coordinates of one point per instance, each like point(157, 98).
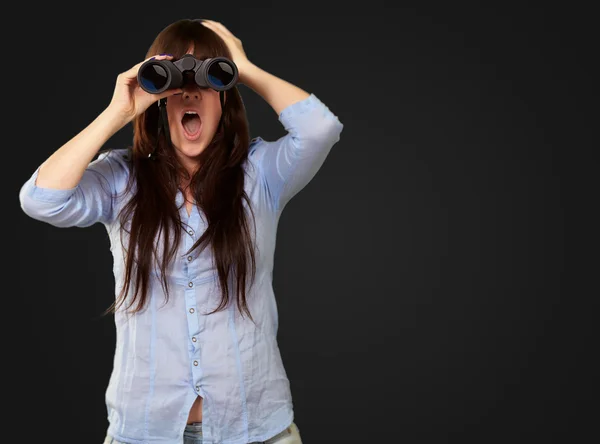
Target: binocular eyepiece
point(157, 76)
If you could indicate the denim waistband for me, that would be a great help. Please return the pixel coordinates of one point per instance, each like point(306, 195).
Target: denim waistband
point(194, 428)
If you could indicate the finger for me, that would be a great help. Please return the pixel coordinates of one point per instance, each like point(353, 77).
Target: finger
point(168, 93)
point(209, 24)
point(132, 72)
point(156, 57)
point(215, 27)
point(222, 28)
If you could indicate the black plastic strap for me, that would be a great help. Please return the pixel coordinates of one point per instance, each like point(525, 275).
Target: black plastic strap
point(163, 125)
point(162, 104)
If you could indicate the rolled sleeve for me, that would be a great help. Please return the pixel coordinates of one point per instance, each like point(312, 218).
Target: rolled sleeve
point(91, 201)
point(289, 164)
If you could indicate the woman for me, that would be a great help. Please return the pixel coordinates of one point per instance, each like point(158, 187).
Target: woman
point(192, 221)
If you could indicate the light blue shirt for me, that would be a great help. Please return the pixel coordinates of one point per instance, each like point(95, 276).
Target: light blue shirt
point(168, 354)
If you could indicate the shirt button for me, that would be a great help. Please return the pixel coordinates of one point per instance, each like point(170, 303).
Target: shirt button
point(192, 310)
point(190, 258)
point(191, 284)
point(191, 232)
point(197, 388)
point(196, 363)
point(194, 339)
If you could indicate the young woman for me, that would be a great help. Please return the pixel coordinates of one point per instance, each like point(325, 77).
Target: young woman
point(192, 214)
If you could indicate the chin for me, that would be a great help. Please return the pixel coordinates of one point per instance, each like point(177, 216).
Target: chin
point(191, 149)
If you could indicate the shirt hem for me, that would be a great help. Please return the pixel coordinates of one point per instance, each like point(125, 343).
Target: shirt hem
point(286, 419)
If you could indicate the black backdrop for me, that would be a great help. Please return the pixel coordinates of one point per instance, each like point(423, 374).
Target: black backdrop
point(421, 275)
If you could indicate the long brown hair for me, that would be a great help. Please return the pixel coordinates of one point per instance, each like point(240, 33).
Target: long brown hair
point(217, 186)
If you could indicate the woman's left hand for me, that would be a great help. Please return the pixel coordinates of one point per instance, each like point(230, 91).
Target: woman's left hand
point(234, 45)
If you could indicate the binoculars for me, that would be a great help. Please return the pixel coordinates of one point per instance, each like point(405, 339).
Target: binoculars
point(157, 76)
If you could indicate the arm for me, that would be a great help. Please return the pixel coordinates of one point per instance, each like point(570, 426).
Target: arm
point(67, 190)
point(288, 164)
point(91, 200)
point(65, 167)
point(277, 92)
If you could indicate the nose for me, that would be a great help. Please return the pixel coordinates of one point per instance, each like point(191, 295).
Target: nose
point(191, 93)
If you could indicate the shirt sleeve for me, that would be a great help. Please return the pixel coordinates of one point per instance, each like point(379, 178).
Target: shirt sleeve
point(288, 164)
point(91, 201)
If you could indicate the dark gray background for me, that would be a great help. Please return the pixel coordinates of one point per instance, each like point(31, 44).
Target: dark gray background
point(421, 275)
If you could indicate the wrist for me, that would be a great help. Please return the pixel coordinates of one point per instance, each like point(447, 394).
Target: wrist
point(247, 72)
point(114, 118)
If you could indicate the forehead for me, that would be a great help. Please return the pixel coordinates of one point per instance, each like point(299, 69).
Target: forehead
point(193, 51)
point(199, 50)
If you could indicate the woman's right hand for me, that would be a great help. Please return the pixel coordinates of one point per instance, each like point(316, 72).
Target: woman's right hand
point(129, 100)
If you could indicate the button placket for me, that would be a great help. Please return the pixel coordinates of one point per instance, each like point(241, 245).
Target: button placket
point(191, 306)
point(196, 325)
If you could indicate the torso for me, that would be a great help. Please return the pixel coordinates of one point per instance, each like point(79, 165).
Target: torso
point(195, 414)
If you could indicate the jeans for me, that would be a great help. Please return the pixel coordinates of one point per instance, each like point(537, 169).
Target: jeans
point(193, 435)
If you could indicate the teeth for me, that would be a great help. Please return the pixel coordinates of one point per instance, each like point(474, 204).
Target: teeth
point(191, 112)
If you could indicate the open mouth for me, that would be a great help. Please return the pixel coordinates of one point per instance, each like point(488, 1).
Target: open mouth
point(192, 125)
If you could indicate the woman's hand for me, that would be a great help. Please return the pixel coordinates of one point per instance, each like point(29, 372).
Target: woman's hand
point(238, 55)
point(129, 99)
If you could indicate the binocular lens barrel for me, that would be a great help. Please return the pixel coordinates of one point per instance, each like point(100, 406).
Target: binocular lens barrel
point(221, 74)
point(218, 73)
point(153, 78)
